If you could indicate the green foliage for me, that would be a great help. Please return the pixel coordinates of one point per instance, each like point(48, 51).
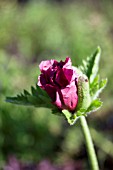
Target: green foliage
point(97, 86)
point(88, 91)
point(95, 104)
point(37, 98)
point(91, 65)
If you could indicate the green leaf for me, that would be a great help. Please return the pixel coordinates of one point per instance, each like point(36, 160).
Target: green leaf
point(95, 105)
point(103, 83)
point(81, 112)
point(91, 65)
point(26, 92)
point(37, 98)
point(97, 86)
point(94, 86)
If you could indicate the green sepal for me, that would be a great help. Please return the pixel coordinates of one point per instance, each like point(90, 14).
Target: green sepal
point(84, 98)
point(71, 118)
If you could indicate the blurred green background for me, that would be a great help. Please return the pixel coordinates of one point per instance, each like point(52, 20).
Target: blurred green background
point(31, 31)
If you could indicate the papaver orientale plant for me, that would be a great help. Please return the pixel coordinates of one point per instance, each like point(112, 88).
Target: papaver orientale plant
point(66, 89)
point(69, 91)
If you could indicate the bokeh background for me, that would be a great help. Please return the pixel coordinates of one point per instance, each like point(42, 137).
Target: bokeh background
point(31, 31)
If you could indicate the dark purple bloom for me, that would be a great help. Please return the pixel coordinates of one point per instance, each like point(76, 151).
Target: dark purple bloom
point(59, 79)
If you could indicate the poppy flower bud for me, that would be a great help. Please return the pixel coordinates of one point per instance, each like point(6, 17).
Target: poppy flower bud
point(59, 80)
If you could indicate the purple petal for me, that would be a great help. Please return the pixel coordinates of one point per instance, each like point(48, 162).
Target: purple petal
point(70, 97)
point(51, 90)
point(67, 63)
point(44, 65)
point(61, 79)
point(42, 81)
point(68, 74)
point(58, 102)
point(75, 73)
point(64, 76)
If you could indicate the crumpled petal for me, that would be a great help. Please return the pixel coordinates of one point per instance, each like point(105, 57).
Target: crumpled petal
point(67, 63)
point(42, 81)
point(51, 90)
point(59, 80)
point(44, 65)
point(70, 97)
point(58, 101)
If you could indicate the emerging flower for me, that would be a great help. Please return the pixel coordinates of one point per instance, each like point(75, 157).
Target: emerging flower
point(59, 80)
point(74, 91)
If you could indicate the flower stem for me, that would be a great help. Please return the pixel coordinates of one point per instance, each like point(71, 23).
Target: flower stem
point(89, 144)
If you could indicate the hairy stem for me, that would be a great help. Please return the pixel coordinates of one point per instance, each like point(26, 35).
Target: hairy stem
point(89, 144)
